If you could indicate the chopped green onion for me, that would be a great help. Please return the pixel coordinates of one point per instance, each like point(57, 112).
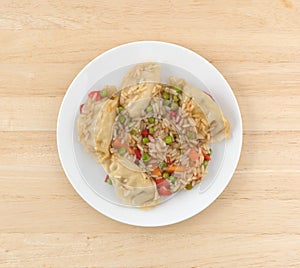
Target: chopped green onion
point(120, 109)
point(189, 186)
point(109, 181)
point(122, 119)
point(151, 120)
point(145, 139)
point(149, 109)
point(175, 98)
point(178, 89)
point(133, 132)
point(205, 163)
point(210, 151)
point(166, 175)
point(172, 179)
point(162, 165)
point(167, 102)
point(174, 106)
point(190, 135)
point(146, 157)
point(166, 95)
point(151, 130)
point(103, 93)
point(122, 150)
point(168, 140)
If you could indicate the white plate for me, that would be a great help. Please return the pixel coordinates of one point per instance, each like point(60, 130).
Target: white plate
point(87, 177)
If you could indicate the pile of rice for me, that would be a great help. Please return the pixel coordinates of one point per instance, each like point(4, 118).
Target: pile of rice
point(181, 125)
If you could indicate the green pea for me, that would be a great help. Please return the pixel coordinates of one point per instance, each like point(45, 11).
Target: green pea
point(146, 157)
point(122, 150)
point(149, 109)
point(166, 95)
point(109, 181)
point(133, 132)
point(120, 109)
point(205, 163)
point(103, 93)
point(189, 186)
point(175, 98)
point(122, 119)
point(162, 165)
point(151, 120)
point(165, 175)
point(145, 139)
point(151, 130)
point(174, 106)
point(172, 179)
point(178, 89)
point(168, 140)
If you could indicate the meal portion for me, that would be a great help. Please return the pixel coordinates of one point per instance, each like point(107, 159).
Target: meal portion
point(151, 138)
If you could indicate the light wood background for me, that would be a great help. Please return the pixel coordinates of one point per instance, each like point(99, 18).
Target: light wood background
point(254, 223)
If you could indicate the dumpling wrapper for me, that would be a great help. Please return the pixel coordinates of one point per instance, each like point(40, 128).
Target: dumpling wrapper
point(142, 72)
point(219, 126)
point(86, 122)
point(138, 86)
point(104, 127)
point(133, 187)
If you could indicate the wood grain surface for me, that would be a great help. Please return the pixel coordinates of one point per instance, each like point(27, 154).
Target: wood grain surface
point(254, 223)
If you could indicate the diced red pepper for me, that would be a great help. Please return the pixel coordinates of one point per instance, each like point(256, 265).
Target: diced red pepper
point(81, 106)
point(173, 114)
point(161, 182)
point(206, 157)
point(145, 132)
point(92, 95)
point(106, 178)
point(137, 153)
point(169, 161)
point(164, 191)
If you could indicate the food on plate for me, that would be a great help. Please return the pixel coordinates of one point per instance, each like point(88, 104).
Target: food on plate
point(153, 139)
point(218, 125)
point(132, 186)
point(87, 118)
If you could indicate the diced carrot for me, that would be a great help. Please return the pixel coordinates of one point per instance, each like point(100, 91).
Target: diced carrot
point(131, 150)
point(156, 172)
point(172, 169)
point(193, 154)
point(117, 144)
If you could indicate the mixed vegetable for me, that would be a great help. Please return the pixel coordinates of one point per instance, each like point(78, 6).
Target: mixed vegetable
point(164, 173)
point(97, 95)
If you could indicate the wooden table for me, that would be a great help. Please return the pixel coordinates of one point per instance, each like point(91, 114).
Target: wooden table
point(254, 223)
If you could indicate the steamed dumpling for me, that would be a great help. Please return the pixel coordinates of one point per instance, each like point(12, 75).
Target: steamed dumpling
point(143, 72)
point(133, 187)
point(135, 93)
point(104, 127)
point(219, 126)
point(87, 119)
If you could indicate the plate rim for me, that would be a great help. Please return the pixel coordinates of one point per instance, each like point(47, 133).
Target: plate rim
point(88, 199)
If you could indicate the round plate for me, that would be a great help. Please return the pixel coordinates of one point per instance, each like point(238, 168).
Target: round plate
point(87, 177)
